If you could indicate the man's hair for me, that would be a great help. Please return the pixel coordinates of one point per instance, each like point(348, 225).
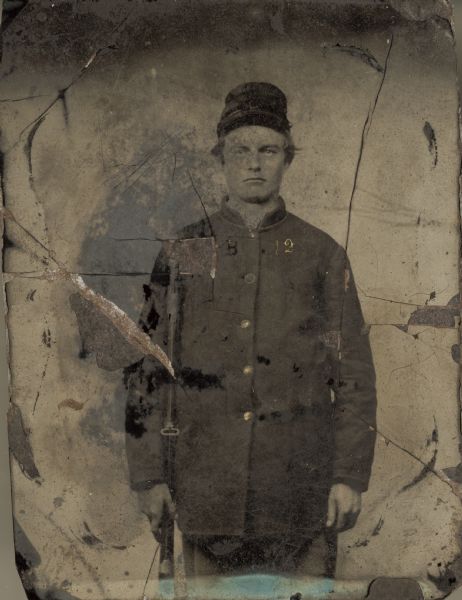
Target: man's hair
point(289, 148)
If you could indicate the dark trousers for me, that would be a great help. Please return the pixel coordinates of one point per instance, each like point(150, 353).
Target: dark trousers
point(270, 555)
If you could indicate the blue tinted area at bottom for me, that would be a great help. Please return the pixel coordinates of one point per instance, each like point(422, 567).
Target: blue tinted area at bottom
point(251, 587)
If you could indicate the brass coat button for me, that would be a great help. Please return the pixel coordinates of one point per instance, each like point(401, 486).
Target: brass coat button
point(249, 278)
point(247, 370)
point(248, 415)
point(245, 324)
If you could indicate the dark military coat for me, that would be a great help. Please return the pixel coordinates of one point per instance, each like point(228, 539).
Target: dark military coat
point(275, 398)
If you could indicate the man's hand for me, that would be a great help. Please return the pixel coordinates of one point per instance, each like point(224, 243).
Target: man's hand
point(153, 503)
point(343, 507)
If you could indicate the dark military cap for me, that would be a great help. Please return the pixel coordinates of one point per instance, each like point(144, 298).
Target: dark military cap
point(254, 103)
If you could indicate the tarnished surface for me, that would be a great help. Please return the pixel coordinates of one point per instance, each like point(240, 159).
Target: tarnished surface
point(108, 113)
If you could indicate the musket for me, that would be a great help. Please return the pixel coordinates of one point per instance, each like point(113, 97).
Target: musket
point(169, 431)
point(196, 256)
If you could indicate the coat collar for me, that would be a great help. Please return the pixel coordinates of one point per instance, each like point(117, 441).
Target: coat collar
point(272, 218)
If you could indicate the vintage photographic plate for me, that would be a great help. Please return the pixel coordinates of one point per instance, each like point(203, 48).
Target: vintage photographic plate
point(231, 271)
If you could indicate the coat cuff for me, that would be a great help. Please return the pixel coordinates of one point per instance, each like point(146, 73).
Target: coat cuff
point(358, 485)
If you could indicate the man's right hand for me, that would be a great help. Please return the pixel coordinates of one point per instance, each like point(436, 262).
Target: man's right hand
point(153, 503)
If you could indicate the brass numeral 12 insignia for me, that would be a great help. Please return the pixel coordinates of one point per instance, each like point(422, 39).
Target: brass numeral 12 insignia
point(288, 246)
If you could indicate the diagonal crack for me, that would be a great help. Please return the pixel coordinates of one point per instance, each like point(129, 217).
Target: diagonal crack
point(28, 153)
point(428, 466)
point(138, 169)
point(144, 597)
point(367, 57)
point(28, 148)
point(44, 372)
point(2, 100)
point(53, 275)
point(61, 93)
point(388, 299)
point(364, 134)
point(92, 571)
point(119, 319)
point(202, 202)
point(139, 239)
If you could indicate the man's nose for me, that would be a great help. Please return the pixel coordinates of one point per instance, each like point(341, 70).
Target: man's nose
point(254, 161)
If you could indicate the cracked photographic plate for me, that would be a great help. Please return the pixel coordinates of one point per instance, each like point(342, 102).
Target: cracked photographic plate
point(231, 270)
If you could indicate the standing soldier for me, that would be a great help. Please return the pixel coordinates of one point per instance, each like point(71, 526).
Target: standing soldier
point(275, 392)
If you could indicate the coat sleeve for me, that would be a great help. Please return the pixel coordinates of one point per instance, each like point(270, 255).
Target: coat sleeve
point(147, 382)
point(355, 404)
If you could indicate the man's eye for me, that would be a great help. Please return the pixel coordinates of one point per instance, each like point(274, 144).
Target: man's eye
point(269, 151)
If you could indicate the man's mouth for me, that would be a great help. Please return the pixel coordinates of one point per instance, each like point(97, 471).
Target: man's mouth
point(255, 179)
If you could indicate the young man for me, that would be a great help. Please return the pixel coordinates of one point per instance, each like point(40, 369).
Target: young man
point(275, 393)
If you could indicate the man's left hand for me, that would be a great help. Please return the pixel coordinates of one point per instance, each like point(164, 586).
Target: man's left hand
point(343, 507)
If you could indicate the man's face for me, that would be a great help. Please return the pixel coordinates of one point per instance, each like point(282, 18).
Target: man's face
point(254, 163)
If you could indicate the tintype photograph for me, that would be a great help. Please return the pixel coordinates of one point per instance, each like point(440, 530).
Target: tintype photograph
point(231, 271)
